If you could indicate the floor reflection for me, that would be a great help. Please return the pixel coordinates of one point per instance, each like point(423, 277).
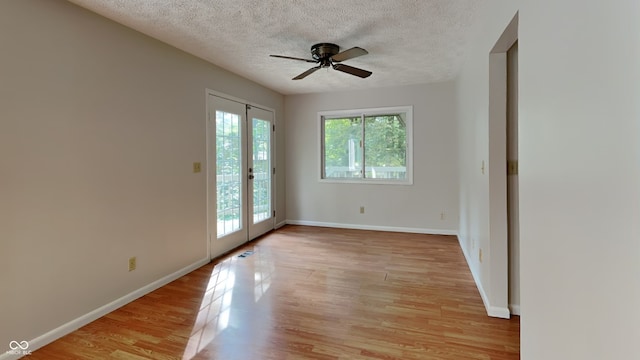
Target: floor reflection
point(263, 274)
point(235, 284)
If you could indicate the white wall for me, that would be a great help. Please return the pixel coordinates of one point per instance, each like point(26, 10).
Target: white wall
point(99, 127)
point(411, 208)
point(579, 162)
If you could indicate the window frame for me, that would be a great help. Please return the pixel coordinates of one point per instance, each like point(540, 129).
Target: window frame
point(362, 113)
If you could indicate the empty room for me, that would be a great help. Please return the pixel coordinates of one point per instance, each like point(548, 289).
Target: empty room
point(319, 180)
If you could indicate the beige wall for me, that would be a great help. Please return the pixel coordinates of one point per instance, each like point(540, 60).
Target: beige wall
point(414, 207)
point(99, 127)
point(579, 163)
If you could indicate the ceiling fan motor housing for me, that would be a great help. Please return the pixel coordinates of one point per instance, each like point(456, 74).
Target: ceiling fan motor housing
point(323, 52)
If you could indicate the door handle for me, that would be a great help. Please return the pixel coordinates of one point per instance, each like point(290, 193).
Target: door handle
point(250, 176)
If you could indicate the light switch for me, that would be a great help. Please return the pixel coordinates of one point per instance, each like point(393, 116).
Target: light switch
point(197, 167)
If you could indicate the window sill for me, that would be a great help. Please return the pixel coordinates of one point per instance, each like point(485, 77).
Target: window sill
point(367, 181)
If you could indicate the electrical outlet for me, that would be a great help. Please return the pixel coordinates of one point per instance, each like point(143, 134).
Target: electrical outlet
point(361, 209)
point(480, 255)
point(132, 263)
point(197, 167)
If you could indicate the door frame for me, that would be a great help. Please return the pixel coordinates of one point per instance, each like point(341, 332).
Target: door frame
point(497, 301)
point(513, 216)
point(211, 192)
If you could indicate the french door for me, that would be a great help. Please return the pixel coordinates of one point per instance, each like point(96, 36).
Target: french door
point(241, 173)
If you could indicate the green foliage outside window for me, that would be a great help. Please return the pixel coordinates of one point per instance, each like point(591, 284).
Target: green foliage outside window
point(384, 147)
point(228, 166)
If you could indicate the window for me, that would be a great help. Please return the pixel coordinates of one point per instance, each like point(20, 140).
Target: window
point(369, 145)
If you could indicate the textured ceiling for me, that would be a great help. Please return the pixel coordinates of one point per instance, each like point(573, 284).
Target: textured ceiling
point(409, 41)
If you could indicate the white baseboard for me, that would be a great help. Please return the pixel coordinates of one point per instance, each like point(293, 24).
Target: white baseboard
point(515, 309)
point(499, 312)
point(373, 227)
point(281, 224)
point(493, 311)
point(85, 319)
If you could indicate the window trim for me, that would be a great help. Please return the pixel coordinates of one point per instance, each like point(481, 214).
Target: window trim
point(407, 109)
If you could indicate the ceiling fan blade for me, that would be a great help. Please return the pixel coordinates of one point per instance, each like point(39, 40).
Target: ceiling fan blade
point(294, 58)
point(352, 70)
point(349, 54)
point(307, 73)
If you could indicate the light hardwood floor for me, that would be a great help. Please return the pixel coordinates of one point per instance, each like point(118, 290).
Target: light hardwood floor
point(309, 293)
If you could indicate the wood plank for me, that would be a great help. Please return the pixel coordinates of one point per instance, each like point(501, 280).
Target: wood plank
point(309, 293)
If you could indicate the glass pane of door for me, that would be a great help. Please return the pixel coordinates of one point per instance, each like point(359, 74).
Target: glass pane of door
point(261, 170)
point(260, 166)
point(227, 202)
point(228, 172)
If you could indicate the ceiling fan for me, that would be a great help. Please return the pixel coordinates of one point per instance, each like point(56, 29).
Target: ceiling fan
point(329, 55)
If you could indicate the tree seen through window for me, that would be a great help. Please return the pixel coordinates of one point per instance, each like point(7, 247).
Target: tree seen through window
point(365, 147)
